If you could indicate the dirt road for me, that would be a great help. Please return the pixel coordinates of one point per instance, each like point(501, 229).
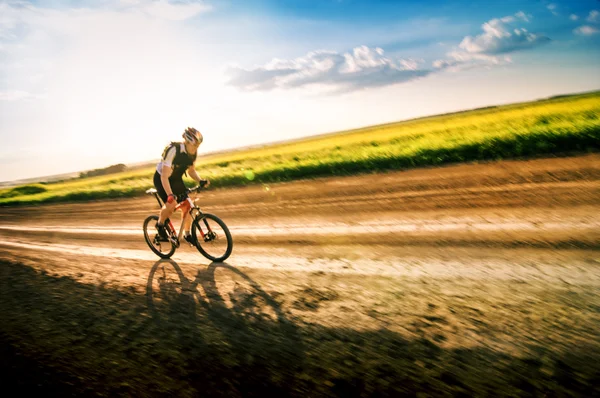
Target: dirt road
point(471, 279)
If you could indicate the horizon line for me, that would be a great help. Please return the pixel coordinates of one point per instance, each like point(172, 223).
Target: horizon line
point(66, 175)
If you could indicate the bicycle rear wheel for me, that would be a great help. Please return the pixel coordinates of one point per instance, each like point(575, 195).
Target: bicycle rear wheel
point(212, 237)
point(161, 249)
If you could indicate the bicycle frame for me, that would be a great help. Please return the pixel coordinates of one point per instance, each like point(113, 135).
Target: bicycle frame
point(188, 207)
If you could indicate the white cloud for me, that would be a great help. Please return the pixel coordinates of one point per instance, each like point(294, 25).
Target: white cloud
point(27, 46)
point(34, 40)
point(586, 30)
point(523, 16)
point(10, 18)
point(170, 10)
point(499, 39)
point(573, 17)
point(20, 14)
point(461, 60)
point(17, 95)
point(362, 68)
point(553, 7)
point(115, 69)
point(594, 16)
point(491, 47)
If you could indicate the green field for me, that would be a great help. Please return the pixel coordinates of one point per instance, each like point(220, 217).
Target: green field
point(553, 126)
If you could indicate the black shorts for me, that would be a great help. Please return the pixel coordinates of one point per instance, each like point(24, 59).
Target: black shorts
point(177, 186)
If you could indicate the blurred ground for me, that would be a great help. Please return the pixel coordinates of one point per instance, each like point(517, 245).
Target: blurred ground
point(472, 279)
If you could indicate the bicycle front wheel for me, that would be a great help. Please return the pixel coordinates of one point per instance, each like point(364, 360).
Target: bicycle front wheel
point(160, 248)
point(212, 237)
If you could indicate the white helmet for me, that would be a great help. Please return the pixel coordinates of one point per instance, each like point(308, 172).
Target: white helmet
point(192, 136)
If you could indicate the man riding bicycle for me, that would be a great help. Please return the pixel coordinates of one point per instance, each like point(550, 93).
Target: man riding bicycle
point(178, 158)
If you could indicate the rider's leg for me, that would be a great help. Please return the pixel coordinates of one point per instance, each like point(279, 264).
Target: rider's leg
point(186, 219)
point(167, 208)
point(166, 212)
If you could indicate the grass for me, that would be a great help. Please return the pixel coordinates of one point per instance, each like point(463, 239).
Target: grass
point(558, 125)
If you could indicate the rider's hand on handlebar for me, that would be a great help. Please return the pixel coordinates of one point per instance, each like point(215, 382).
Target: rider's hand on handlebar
point(201, 184)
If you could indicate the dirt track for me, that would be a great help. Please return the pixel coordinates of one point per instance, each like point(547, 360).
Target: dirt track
point(501, 256)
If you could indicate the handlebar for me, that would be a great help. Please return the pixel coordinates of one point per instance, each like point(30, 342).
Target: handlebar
point(198, 187)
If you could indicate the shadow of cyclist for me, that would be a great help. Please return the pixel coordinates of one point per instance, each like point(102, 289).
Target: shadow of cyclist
point(228, 312)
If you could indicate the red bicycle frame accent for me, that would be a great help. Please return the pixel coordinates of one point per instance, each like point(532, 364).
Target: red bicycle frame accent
point(185, 207)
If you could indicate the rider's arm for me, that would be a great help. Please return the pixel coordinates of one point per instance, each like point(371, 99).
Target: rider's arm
point(194, 174)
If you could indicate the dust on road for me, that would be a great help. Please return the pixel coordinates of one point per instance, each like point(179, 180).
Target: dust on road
point(466, 279)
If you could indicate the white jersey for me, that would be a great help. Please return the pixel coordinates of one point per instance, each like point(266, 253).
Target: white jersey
point(169, 156)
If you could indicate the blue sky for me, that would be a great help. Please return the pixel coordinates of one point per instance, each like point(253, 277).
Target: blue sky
point(86, 84)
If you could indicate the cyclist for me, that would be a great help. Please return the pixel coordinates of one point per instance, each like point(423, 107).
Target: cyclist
point(178, 158)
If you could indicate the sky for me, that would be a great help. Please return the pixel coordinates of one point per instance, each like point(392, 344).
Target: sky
point(87, 84)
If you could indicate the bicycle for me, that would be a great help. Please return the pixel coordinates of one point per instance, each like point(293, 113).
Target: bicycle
point(210, 235)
